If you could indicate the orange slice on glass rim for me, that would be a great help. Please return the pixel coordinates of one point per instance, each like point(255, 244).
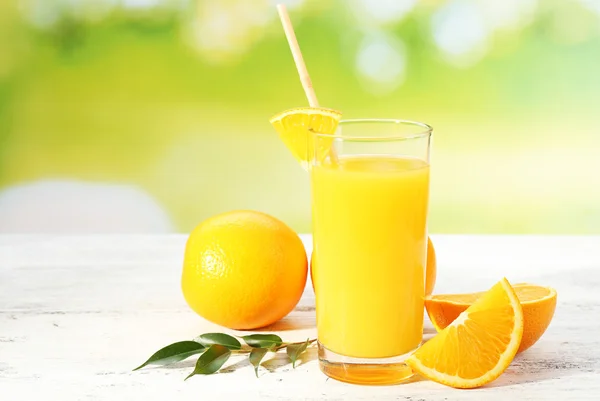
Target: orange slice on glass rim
point(297, 126)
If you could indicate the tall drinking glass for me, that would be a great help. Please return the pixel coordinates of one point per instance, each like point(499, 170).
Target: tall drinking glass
point(370, 190)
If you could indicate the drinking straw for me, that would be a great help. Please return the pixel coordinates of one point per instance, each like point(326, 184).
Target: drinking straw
point(297, 54)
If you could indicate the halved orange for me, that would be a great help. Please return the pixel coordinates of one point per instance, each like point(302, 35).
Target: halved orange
point(476, 347)
point(295, 127)
point(538, 304)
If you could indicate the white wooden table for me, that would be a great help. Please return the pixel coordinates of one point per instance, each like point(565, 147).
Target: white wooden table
point(78, 313)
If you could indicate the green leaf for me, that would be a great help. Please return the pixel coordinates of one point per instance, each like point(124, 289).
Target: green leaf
point(211, 361)
point(173, 353)
point(223, 339)
point(263, 340)
point(256, 355)
point(295, 350)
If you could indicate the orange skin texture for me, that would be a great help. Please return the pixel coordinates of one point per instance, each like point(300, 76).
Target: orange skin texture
point(243, 270)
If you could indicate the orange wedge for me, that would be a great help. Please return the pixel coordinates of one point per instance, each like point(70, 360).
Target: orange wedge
point(538, 305)
point(296, 127)
point(478, 346)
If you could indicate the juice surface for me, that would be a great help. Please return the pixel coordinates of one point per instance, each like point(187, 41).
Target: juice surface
point(370, 238)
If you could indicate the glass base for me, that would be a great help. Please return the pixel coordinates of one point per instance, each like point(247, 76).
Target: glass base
point(373, 371)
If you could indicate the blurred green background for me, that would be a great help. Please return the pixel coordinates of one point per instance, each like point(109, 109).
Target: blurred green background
point(152, 115)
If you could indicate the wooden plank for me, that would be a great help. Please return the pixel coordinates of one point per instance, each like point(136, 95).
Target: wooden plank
point(78, 313)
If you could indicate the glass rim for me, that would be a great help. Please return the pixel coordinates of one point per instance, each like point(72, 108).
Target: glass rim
point(426, 131)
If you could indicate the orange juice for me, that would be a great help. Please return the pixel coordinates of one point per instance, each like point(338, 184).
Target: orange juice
point(370, 238)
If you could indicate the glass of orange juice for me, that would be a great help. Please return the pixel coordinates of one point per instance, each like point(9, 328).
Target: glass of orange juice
point(370, 191)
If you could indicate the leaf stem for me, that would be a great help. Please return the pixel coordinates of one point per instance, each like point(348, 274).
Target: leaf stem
point(216, 348)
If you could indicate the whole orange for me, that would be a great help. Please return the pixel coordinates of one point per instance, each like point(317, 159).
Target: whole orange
point(430, 275)
point(243, 269)
point(431, 271)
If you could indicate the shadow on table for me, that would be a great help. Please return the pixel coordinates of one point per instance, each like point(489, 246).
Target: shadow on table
point(428, 332)
point(299, 319)
point(537, 365)
point(534, 365)
point(238, 365)
point(278, 362)
point(281, 362)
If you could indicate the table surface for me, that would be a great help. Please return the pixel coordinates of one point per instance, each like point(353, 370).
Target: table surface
point(78, 313)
